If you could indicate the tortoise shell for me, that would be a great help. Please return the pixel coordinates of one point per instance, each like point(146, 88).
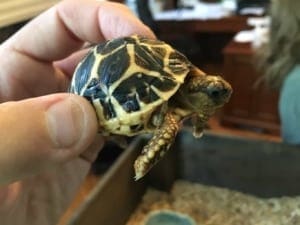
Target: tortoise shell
point(127, 79)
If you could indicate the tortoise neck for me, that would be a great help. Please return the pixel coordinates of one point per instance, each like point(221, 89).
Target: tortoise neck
point(181, 104)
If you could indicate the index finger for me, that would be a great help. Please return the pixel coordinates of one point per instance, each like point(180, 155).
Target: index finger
point(61, 30)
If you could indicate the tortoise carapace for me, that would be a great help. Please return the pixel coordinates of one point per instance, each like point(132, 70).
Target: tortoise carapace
point(140, 85)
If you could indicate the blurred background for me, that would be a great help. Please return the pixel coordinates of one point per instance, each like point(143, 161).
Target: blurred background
point(222, 37)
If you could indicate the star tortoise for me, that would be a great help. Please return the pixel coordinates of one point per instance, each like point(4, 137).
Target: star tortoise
point(140, 85)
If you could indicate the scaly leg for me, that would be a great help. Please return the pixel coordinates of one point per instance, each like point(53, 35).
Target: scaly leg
point(161, 141)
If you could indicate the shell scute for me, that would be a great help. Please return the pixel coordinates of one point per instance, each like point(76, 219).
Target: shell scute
point(143, 87)
point(178, 63)
point(112, 67)
point(150, 42)
point(108, 109)
point(145, 58)
point(94, 90)
point(132, 103)
point(83, 72)
point(159, 51)
point(110, 46)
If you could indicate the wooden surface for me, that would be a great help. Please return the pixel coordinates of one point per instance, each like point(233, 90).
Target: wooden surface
point(114, 198)
point(251, 106)
point(86, 188)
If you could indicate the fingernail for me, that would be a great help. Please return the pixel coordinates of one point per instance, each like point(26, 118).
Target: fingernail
point(66, 121)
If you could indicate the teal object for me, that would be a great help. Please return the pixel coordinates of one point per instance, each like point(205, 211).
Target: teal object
point(289, 107)
point(169, 218)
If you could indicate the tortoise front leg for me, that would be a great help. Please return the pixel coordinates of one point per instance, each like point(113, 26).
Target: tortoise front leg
point(198, 122)
point(158, 145)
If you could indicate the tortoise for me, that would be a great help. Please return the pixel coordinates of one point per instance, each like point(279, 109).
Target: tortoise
point(140, 85)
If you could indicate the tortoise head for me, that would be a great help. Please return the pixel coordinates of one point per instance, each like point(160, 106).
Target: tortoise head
point(203, 94)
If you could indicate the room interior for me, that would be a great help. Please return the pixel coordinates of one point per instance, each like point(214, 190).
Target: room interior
point(220, 38)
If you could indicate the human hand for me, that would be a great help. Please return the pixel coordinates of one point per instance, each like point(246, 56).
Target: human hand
point(48, 141)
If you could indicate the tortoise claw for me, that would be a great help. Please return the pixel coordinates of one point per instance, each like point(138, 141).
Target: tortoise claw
point(197, 133)
point(198, 125)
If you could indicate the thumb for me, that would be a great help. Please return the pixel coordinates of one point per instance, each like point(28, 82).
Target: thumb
point(39, 133)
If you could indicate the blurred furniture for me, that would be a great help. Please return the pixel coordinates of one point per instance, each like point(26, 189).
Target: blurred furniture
point(243, 4)
point(184, 42)
point(203, 41)
point(231, 24)
point(252, 105)
point(207, 38)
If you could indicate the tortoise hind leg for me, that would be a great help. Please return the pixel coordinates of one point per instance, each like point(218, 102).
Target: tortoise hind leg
point(158, 145)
